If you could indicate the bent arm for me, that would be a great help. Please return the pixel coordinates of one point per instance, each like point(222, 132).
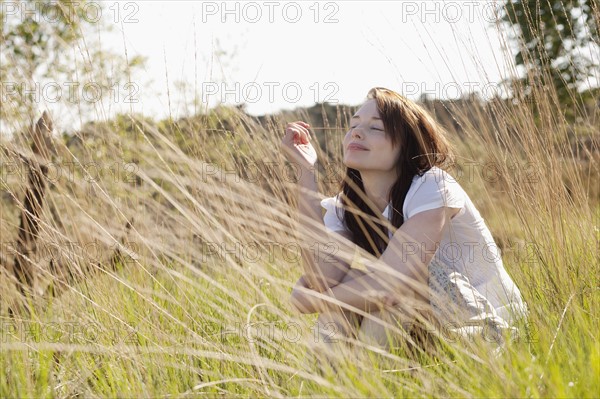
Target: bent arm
point(401, 271)
point(301, 297)
point(325, 255)
point(361, 292)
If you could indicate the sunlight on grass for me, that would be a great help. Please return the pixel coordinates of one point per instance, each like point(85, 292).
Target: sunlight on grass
point(172, 261)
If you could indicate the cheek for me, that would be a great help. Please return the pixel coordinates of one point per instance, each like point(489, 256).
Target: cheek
point(390, 157)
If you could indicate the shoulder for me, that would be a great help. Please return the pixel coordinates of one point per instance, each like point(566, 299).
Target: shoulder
point(435, 176)
point(331, 201)
point(435, 188)
point(333, 204)
point(333, 217)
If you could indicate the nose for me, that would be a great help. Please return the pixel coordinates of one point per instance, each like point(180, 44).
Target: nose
point(356, 132)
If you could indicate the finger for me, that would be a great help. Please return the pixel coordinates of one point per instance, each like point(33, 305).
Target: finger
point(291, 132)
point(298, 125)
point(294, 126)
point(306, 127)
point(296, 135)
point(305, 134)
point(299, 132)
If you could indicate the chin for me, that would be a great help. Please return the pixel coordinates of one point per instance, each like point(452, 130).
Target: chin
point(354, 159)
point(352, 165)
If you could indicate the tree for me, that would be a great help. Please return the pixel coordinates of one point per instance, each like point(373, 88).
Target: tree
point(34, 37)
point(556, 40)
point(46, 58)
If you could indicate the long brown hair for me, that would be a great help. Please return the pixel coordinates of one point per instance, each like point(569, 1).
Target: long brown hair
point(423, 145)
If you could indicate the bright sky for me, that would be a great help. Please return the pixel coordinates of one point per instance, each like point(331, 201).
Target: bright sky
point(276, 55)
point(280, 55)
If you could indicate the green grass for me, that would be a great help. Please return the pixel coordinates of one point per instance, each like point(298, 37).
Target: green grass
point(177, 317)
point(176, 335)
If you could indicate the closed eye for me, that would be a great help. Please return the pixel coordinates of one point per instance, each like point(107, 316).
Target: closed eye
point(374, 128)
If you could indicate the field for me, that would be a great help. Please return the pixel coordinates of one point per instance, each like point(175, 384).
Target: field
point(167, 251)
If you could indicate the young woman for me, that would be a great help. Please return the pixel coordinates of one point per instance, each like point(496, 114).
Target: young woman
point(433, 258)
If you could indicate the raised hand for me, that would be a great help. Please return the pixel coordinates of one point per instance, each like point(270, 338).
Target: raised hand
point(296, 145)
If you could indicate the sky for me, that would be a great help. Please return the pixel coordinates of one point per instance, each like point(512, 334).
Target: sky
point(280, 55)
point(275, 55)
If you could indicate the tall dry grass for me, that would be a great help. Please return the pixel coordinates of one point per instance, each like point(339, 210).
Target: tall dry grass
point(202, 211)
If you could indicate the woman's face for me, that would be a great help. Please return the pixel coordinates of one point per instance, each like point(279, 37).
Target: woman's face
point(366, 131)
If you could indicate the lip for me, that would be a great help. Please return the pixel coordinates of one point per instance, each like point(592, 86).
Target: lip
point(357, 147)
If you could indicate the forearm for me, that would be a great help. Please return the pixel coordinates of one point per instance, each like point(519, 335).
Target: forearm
point(322, 271)
point(307, 191)
point(318, 246)
point(399, 274)
point(363, 293)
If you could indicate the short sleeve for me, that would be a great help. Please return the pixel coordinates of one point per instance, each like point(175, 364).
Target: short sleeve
point(330, 219)
point(435, 189)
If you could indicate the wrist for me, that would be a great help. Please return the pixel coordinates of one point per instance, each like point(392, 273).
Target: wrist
point(307, 173)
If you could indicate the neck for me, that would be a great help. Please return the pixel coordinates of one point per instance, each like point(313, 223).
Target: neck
point(377, 187)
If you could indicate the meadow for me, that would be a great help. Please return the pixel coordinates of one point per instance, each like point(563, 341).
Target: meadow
point(167, 251)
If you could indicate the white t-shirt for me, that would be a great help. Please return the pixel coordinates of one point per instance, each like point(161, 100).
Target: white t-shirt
point(467, 246)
